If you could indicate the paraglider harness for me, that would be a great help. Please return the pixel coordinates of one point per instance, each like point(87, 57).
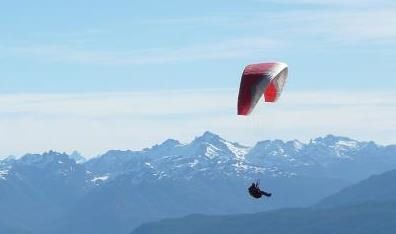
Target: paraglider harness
point(254, 191)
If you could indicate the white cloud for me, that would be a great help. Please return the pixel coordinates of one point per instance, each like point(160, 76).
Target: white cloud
point(348, 21)
point(375, 25)
point(94, 123)
point(348, 25)
point(228, 49)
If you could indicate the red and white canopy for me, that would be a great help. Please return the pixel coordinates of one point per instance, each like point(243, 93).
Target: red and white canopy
point(265, 79)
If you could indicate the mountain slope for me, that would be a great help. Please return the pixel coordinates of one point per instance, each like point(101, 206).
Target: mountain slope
point(39, 187)
point(364, 218)
point(377, 188)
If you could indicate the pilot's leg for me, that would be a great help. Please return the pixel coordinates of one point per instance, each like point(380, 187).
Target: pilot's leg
point(266, 194)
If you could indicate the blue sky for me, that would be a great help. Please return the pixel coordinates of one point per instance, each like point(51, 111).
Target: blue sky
point(56, 53)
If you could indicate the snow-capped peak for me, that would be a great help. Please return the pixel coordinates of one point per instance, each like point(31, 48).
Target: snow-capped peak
point(171, 142)
point(166, 145)
point(331, 140)
point(214, 146)
point(77, 157)
point(337, 146)
point(208, 137)
point(45, 158)
point(297, 145)
point(279, 147)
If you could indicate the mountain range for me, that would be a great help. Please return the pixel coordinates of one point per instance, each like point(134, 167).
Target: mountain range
point(119, 190)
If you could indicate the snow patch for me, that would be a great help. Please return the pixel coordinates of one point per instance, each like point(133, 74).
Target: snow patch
point(344, 146)
point(211, 151)
point(100, 178)
point(3, 174)
point(239, 152)
point(298, 145)
point(351, 144)
point(194, 163)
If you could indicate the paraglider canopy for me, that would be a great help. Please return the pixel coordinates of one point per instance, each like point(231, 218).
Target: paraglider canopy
point(265, 79)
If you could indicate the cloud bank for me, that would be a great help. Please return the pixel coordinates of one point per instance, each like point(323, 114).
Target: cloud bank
point(94, 123)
